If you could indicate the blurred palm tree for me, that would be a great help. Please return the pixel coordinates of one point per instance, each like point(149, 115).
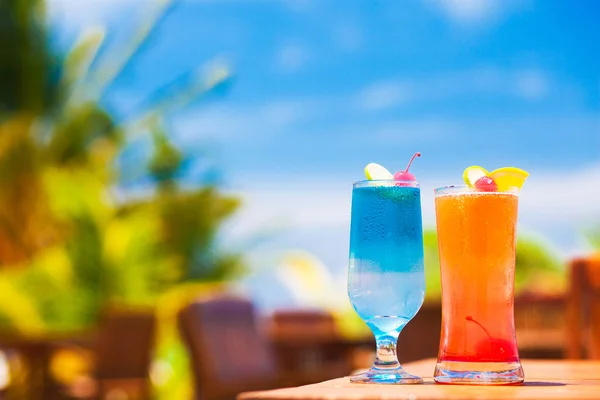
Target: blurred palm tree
point(26, 65)
point(68, 247)
point(592, 236)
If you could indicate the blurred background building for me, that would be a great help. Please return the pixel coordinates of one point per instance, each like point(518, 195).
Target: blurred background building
point(155, 151)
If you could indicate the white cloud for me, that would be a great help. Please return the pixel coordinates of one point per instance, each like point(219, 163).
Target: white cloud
point(300, 5)
point(405, 131)
point(348, 37)
point(291, 57)
point(294, 202)
point(256, 120)
point(79, 14)
point(531, 84)
point(279, 117)
point(562, 196)
point(383, 95)
point(276, 116)
point(468, 10)
point(476, 12)
point(528, 84)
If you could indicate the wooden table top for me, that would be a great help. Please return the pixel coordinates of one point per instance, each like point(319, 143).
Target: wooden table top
point(544, 379)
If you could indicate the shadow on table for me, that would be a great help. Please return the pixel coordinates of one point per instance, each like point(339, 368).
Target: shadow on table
point(534, 383)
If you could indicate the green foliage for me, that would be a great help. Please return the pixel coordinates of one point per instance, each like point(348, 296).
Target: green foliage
point(592, 236)
point(167, 158)
point(433, 286)
point(74, 134)
point(537, 268)
point(26, 65)
point(67, 247)
point(187, 231)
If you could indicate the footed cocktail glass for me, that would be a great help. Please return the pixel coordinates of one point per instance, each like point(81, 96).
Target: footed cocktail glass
point(386, 283)
point(476, 239)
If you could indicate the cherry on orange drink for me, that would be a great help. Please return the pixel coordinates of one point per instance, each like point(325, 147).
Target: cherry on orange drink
point(476, 228)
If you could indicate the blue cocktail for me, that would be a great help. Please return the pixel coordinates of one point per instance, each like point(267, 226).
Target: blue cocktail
point(386, 282)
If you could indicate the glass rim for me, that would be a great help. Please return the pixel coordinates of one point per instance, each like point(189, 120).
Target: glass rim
point(464, 189)
point(385, 183)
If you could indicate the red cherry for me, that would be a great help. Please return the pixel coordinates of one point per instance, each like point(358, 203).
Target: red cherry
point(405, 175)
point(486, 184)
point(494, 349)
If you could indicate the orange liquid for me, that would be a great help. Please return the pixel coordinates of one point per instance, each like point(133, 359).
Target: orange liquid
point(476, 234)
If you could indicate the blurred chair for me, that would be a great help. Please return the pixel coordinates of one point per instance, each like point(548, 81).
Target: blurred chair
point(540, 325)
point(229, 354)
point(300, 323)
point(420, 338)
point(307, 340)
point(122, 356)
point(583, 308)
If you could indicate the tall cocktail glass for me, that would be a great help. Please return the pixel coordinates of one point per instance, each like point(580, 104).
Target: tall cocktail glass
point(386, 283)
point(476, 239)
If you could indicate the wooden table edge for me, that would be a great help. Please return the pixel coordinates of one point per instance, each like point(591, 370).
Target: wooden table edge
point(590, 386)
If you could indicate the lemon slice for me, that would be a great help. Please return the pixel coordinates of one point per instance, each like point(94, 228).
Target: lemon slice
point(509, 177)
point(375, 172)
point(472, 174)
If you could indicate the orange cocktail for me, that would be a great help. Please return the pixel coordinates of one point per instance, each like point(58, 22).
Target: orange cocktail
point(476, 234)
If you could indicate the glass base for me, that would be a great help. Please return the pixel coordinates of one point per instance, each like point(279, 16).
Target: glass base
point(478, 373)
point(386, 376)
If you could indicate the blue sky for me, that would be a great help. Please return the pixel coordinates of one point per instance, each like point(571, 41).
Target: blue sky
point(324, 87)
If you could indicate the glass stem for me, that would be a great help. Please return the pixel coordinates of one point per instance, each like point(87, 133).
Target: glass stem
point(386, 357)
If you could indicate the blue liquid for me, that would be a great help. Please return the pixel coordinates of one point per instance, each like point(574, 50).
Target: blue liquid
point(386, 282)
